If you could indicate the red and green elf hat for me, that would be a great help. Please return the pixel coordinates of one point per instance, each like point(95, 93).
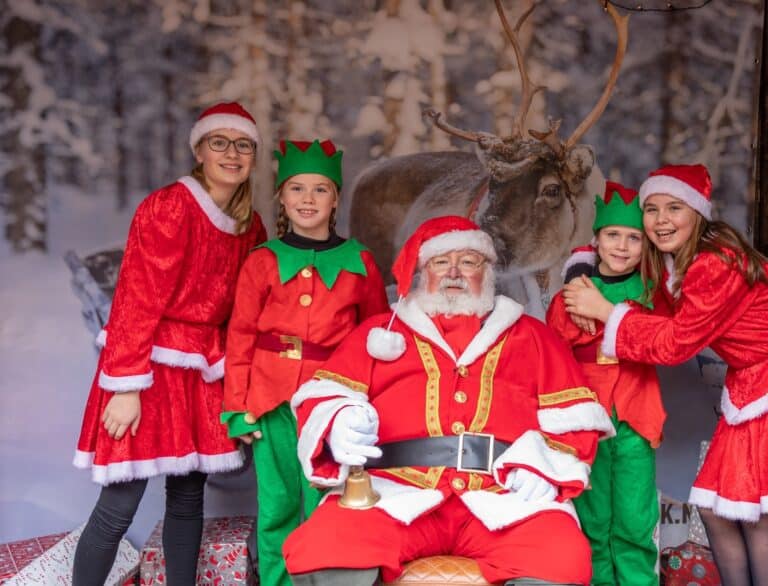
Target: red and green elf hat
point(299, 156)
point(619, 206)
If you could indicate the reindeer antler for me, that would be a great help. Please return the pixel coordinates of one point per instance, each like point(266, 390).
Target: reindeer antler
point(435, 116)
point(550, 137)
point(528, 90)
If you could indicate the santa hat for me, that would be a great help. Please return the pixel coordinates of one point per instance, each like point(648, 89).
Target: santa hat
point(619, 206)
point(229, 115)
point(433, 238)
point(300, 156)
point(689, 183)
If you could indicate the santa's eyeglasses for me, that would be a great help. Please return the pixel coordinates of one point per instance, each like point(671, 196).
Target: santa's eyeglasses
point(219, 144)
point(466, 264)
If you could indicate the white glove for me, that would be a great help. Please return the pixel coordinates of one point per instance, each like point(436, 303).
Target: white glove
point(354, 435)
point(529, 486)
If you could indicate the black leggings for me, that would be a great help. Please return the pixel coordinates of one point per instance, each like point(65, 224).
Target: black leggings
point(113, 514)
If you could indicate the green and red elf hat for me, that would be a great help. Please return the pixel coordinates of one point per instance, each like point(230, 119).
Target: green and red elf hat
point(619, 206)
point(299, 156)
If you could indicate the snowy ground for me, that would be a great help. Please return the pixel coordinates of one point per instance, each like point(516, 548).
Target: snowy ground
point(47, 361)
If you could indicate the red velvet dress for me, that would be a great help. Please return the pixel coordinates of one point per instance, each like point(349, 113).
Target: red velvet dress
point(715, 308)
point(165, 338)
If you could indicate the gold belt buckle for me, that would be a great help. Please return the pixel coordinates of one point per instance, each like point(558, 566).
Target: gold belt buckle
point(603, 359)
point(293, 353)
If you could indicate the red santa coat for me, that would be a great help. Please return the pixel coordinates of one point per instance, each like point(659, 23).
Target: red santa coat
point(715, 307)
point(515, 380)
point(165, 337)
point(631, 387)
point(258, 380)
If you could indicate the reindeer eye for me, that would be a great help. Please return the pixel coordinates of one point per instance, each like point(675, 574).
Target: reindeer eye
point(551, 191)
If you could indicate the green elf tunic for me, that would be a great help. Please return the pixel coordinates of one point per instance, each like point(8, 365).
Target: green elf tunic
point(296, 300)
point(620, 512)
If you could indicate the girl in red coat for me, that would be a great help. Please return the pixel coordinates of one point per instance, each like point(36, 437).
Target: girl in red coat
point(298, 297)
point(156, 398)
point(717, 287)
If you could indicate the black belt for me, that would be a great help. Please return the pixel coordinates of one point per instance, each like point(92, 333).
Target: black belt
point(467, 452)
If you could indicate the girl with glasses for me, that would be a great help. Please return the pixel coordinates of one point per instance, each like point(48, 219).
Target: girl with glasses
point(298, 296)
point(155, 401)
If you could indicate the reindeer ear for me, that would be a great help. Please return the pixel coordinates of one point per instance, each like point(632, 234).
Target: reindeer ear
point(577, 166)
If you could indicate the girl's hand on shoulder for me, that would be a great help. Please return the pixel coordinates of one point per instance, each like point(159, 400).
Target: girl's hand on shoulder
point(584, 299)
point(249, 437)
point(123, 412)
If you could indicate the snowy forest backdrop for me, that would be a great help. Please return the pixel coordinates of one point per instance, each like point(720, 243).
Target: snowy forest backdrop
point(97, 99)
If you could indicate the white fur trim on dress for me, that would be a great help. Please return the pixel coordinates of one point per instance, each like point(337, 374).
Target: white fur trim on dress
point(135, 469)
point(722, 507)
point(580, 256)
point(735, 415)
point(587, 416)
point(217, 217)
point(383, 344)
point(608, 345)
point(476, 240)
point(123, 384)
point(676, 188)
point(173, 357)
point(505, 313)
point(531, 451)
point(222, 121)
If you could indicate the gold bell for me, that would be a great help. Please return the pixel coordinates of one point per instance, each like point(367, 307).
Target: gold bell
point(358, 491)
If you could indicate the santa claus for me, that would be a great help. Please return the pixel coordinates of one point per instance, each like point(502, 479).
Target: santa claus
point(473, 420)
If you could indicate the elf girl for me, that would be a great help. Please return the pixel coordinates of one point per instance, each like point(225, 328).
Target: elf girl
point(717, 287)
point(620, 512)
point(156, 398)
point(298, 296)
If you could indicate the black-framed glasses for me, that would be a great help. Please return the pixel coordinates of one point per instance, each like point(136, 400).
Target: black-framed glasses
point(218, 143)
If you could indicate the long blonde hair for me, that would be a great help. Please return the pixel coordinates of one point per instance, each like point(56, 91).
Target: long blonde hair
point(283, 223)
point(707, 236)
point(240, 205)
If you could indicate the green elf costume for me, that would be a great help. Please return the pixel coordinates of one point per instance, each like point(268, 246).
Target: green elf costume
point(620, 512)
point(297, 298)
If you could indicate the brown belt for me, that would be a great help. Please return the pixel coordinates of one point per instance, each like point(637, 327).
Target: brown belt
point(293, 347)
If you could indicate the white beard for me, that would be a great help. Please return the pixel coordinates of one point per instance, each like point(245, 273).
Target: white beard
point(464, 303)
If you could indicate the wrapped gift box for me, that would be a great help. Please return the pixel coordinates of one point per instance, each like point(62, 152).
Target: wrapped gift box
point(224, 556)
point(48, 560)
point(688, 564)
point(19, 554)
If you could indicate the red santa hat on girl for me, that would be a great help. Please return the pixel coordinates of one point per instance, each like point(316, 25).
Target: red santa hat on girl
point(433, 238)
point(229, 115)
point(689, 183)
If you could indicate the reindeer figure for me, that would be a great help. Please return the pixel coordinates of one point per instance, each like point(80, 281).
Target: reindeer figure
point(532, 194)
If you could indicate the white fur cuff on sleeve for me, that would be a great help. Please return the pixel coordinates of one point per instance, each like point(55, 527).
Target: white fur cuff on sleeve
point(612, 327)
